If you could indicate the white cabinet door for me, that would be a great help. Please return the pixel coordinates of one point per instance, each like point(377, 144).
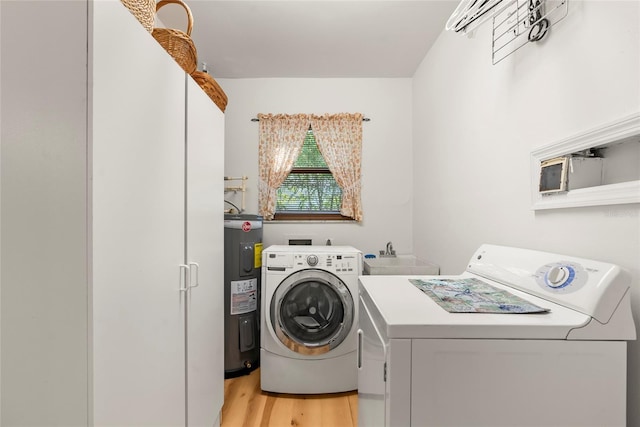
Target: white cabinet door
point(384, 371)
point(137, 126)
point(205, 241)
point(372, 354)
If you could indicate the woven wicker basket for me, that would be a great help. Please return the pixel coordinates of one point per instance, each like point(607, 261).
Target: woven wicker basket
point(143, 10)
point(211, 88)
point(177, 43)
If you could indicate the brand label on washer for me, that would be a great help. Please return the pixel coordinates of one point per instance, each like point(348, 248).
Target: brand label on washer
point(244, 296)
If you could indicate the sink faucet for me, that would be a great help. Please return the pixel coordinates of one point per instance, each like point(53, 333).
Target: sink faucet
point(389, 252)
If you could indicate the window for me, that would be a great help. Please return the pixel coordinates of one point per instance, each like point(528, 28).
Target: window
point(310, 190)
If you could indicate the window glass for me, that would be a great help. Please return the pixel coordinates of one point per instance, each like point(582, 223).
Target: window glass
point(310, 188)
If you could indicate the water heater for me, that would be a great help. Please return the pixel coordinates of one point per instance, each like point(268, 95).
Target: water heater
point(242, 275)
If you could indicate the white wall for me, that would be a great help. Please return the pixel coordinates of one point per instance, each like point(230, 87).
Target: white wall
point(0, 231)
point(475, 125)
point(386, 169)
point(45, 355)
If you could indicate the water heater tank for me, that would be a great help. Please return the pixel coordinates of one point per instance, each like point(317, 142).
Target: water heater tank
point(242, 275)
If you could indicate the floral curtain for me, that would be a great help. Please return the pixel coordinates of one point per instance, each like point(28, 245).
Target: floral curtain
point(281, 139)
point(339, 139)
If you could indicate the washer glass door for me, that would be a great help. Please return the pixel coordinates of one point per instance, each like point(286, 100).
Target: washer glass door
point(312, 311)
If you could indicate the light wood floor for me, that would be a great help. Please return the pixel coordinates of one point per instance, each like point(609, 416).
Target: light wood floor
point(245, 405)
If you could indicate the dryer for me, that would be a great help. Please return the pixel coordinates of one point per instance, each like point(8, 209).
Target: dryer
point(456, 351)
point(309, 319)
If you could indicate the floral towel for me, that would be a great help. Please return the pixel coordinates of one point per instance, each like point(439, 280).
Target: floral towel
point(472, 295)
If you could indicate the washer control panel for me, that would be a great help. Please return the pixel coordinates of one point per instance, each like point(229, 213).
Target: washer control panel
point(563, 276)
point(590, 287)
point(337, 263)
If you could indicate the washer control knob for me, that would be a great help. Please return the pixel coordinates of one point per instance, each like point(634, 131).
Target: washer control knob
point(557, 276)
point(312, 260)
point(562, 277)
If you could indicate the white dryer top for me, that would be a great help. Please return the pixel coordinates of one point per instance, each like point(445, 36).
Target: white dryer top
point(587, 300)
point(590, 287)
point(407, 312)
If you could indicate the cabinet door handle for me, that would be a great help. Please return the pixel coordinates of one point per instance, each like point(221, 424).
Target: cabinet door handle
point(184, 278)
point(194, 269)
point(359, 348)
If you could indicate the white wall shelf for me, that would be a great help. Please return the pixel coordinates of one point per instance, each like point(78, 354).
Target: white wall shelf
point(623, 131)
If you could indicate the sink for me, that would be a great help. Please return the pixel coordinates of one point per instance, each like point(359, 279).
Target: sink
point(399, 265)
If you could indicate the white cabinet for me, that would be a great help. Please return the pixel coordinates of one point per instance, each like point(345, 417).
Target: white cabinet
point(111, 179)
point(137, 226)
point(205, 235)
point(383, 399)
point(372, 369)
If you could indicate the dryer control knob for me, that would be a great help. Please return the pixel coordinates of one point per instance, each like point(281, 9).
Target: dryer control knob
point(312, 260)
point(557, 276)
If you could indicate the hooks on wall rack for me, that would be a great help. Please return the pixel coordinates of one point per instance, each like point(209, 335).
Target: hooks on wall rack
point(522, 22)
point(242, 188)
point(515, 22)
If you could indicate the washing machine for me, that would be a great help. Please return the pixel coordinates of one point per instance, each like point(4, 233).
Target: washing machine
point(309, 319)
point(520, 338)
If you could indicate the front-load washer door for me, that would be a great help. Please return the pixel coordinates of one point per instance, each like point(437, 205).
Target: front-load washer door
point(312, 311)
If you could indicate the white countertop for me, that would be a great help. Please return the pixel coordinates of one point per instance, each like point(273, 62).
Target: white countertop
point(407, 312)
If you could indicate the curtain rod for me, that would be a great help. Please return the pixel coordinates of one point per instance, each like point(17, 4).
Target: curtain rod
point(364, 119)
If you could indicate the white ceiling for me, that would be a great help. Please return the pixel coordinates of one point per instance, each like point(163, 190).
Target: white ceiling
point(307, 38)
